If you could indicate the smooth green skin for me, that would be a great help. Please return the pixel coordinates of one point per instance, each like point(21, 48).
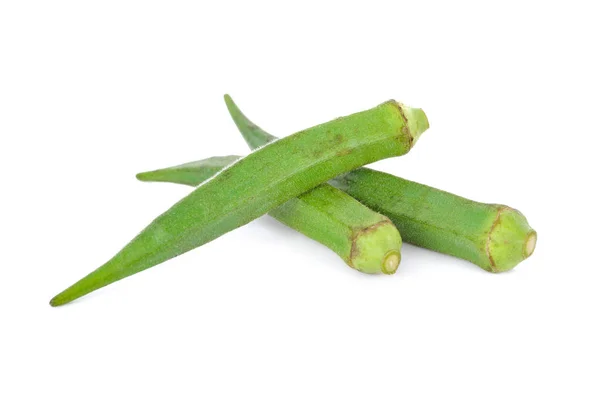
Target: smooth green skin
point(494, 237)
point(364, 239)
point(254, 185)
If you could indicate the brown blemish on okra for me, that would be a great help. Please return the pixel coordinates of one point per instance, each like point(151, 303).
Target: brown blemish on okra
point(405, 130)
point(489, 239)
point(343, 152)
point(318, 152)
point(354, 251)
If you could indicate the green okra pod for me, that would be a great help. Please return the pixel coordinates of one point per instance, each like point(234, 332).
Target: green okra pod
point(256, 184)
point(364, 239)
point(494, 237)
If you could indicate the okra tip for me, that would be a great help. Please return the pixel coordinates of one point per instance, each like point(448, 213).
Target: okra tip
point(144, 176)
point(67, 296)
point(58, 300)
point(376, 249)
point(54, 302)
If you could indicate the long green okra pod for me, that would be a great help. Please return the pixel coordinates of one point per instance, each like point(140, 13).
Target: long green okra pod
point(258, 183)
point(364, 239)
point(493, 236)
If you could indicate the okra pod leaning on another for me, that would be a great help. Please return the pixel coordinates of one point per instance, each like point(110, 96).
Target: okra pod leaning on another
point(364, 239)
point(494, 237)
point(256, 184)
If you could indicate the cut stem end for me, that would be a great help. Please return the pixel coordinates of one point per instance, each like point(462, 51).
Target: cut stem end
point(390, 263)
point(530, 243)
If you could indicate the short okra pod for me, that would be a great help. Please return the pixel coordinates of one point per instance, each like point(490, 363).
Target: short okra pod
point(256, 184)
point(493, 236)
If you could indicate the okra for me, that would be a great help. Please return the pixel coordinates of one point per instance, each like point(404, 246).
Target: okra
point(364, 239)
point(493, 236)
point(257, 183)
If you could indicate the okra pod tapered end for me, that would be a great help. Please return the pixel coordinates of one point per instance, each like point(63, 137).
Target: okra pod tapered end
point(191, 174)
point(376, 249)
point(510, 240)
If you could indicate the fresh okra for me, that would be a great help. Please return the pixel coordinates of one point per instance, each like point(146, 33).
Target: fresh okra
point(259, 182)
point(492, 236)
point(364, 239)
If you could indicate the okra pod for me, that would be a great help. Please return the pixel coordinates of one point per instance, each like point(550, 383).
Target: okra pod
point(256, 184)
point(495, 237)
point(364, 239)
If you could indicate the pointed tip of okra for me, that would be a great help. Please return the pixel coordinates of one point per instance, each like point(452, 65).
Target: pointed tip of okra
point(64, 297)
point(58, 300)
point(510, 240)
point(144, 176)
point(416, 120)
point(229, 102)
point(376, 249)
point(160, 175)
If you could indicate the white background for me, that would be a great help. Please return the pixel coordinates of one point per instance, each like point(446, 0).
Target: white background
point(93, 92)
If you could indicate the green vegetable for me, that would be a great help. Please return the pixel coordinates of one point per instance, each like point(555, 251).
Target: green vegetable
point(258, 183)
point(364, 239)
point(495, 237)
point(192, 173)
